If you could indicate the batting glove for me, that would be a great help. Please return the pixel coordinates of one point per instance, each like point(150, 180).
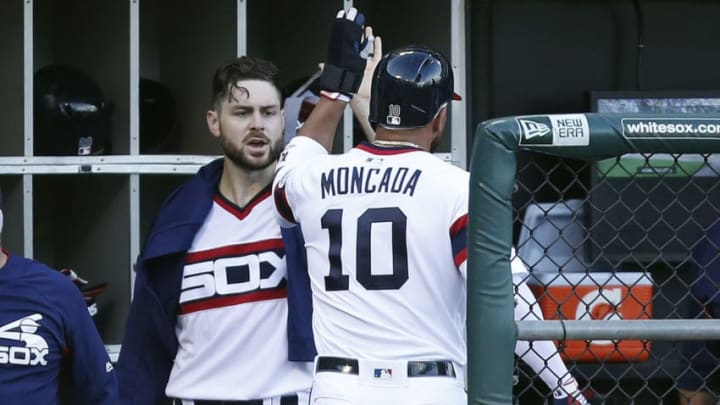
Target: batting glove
point(348, 50)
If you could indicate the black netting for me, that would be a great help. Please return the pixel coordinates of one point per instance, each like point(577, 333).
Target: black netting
point(614, 240)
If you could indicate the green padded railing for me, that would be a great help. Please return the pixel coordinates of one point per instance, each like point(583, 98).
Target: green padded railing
point(492, 331)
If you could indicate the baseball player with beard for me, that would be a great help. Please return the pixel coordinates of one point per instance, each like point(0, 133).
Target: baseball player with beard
point(50, 350)
point(208, 321)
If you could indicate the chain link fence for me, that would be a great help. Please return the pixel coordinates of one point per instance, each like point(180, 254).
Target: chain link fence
point(619, 239)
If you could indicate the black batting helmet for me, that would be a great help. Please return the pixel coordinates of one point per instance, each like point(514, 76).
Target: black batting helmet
point(409, 87)
point(70, 113)
point(158, 117)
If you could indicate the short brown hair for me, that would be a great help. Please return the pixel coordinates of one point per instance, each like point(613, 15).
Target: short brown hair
point(242, 68)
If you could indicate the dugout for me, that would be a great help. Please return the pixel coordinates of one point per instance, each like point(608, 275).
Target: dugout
point(512, 57)
point(92, 213)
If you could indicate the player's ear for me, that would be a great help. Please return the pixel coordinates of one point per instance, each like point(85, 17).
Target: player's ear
point(440, 120)
point(213, 122)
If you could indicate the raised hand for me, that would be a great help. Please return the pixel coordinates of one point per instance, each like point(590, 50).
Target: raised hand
point(373, 52)
point(360, 103)
point(348, 49)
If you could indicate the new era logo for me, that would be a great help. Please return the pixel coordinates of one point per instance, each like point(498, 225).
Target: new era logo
point(554, 130)
point(533, 129)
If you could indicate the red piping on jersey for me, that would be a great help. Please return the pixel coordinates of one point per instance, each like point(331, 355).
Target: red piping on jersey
point(460, 257)
point(458, 225)
point(224, 301)
point(386, 150)
point(282, 205)
point(241, 213)
point(233, 250)
point(458, 229)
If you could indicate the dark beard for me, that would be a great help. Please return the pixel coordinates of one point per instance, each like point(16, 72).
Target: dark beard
point(240, 159)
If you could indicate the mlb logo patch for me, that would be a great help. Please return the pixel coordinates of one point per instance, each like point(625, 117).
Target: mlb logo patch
point(393, 117)
point(85, 145)
point(383, 373)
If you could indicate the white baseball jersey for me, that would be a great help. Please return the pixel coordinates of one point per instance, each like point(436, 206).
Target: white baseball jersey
point(386, 240)
point(232, 323)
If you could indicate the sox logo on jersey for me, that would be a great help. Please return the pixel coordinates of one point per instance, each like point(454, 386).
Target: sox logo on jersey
point(23, 330)
point(232, 275)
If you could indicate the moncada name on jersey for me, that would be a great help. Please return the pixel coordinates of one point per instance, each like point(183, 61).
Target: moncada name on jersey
point(361, 180)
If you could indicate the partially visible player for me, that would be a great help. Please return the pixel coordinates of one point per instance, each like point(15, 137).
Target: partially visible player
point(541, 355)
point(48, 339)
point(699, 382)
point(384, 227)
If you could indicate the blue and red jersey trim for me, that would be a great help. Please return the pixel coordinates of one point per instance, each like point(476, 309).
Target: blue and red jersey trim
point(241, 212)
point(458, 238)
point(224, 301)
point(234, 250)
point(282, 205)
point(218, 301)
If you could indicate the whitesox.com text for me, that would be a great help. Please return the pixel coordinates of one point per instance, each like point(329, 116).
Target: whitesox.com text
point(637, 127)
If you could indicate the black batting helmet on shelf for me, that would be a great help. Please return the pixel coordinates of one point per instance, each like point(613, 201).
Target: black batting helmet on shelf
point(410, 85)
point(71, 116)
point(158, 117)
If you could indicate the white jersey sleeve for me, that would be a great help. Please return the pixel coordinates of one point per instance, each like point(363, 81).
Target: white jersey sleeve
point(541, 355)
point(298, 151)
point(517, 266)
